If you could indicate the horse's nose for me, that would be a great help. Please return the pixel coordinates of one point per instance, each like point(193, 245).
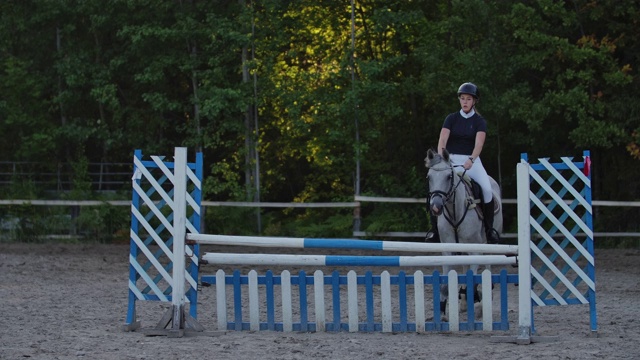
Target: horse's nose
point(435, 205)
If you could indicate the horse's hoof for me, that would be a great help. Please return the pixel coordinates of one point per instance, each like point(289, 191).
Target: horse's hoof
point(462, 304)
point(477, 309)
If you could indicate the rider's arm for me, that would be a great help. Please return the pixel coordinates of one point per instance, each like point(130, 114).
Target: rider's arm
point(477, 149)
point(444, 137)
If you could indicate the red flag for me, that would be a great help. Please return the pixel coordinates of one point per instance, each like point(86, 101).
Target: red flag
point(587, 166)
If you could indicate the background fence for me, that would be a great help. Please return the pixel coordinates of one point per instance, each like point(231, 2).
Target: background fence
point(57, 177)
point(108, 220)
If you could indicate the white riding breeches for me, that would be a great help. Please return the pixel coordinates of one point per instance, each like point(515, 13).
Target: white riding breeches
point(477, 173)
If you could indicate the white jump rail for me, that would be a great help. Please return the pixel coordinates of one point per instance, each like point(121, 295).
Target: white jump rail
point(319, 243)
point(339, 260)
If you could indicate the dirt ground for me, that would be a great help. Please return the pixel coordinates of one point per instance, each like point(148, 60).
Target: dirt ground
point(70, 302)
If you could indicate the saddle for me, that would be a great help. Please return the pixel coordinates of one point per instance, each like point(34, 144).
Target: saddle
point(474, 196)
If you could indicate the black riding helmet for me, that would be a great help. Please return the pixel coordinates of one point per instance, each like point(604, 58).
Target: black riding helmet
point(469, 88)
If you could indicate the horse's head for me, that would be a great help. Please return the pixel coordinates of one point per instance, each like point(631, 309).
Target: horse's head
point(440, 177)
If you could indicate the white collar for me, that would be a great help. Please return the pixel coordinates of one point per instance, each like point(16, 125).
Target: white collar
point(470, 114)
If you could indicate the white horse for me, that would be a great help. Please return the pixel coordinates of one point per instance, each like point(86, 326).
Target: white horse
point(457, 209)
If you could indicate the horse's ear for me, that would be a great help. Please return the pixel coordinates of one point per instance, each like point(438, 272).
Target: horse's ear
point(445, 155)
point(429, 158)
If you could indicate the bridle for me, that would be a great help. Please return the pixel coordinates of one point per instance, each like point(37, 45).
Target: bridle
point(446, 196)
point(449, 197)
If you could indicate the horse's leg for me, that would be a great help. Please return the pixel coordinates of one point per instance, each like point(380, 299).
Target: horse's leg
point(444, 290)
point(479, 296)
point(476, 295)
point(477, 292)
point(462, 292)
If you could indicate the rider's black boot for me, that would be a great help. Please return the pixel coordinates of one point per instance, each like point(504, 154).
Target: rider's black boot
point(432, 235)
point(492, 235)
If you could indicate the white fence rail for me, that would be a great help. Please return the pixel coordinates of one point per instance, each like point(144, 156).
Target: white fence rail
point(358, 200)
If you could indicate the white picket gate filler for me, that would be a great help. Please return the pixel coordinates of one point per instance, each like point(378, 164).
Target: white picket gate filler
point(166, 239)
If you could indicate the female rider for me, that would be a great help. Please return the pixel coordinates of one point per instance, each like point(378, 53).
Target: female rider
point(463, 135)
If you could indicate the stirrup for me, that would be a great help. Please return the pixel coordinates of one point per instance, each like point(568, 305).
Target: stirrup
point(493, 237)
point(432, 237)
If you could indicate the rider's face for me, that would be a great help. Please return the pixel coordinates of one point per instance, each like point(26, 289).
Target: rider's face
point(466, 102)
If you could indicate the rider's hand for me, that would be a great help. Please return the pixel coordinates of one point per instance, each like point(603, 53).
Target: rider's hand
point(468, 164)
